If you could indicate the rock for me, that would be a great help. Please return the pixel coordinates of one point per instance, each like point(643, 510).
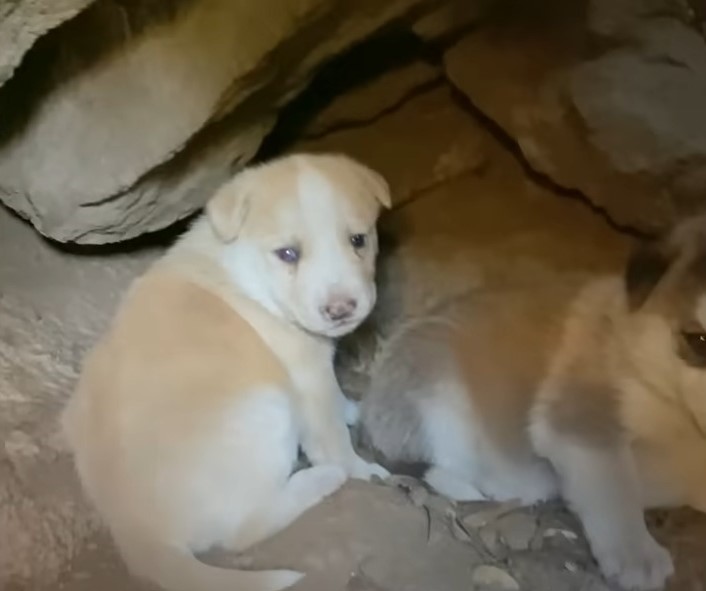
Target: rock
point(450, 18)
point(564, 533)
point(374, 99)
point(375, 531)
point(121, 140)
point(490, 578)
point(22, 22)
point(614, 19)
point(451, 147)
point(359, 582)
point(517, 530)
point(495, 511)
point(490, 537)
point(52, 305)
point(624, 128)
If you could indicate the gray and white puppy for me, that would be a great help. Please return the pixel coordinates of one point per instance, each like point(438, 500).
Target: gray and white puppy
point(595, 392)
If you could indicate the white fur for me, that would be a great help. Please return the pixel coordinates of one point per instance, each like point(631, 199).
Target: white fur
point(329, 267)
point(466, 464)
point(612, 512)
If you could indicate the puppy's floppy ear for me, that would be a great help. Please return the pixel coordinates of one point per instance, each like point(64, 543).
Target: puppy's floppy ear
point(228, 208)
point(376, 184)
point(646, 267)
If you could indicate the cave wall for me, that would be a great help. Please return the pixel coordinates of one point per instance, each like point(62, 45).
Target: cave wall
point(120, 117)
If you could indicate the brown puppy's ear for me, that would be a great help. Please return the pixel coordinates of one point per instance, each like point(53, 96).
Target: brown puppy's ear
point(646, 267)
point(227, 210)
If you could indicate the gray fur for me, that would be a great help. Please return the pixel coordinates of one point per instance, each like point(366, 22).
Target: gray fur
point(406, 371)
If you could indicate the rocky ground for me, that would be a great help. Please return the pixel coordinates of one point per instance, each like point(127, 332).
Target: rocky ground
point(468, 212)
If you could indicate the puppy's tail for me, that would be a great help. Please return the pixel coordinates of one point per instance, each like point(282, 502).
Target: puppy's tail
point(176, 569)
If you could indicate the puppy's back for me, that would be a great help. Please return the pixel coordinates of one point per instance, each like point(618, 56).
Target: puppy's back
point(175, 358)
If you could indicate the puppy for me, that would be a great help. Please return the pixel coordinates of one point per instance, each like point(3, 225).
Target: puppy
point(596, 392)
point(188, 415)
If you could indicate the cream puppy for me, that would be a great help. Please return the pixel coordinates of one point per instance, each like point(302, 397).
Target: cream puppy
point(188, 415)
point(596, 392)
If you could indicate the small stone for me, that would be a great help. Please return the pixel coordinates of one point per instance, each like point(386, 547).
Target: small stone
point(553, 532)
point(517, 530)
point(571, 567)
point(481, 518)
point(491, 578)
point(491, 539)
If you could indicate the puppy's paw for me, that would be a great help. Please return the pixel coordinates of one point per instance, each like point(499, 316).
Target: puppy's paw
point(362, 470)
point(640, 565)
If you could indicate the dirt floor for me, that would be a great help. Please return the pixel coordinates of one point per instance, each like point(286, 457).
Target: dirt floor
point(466, 214)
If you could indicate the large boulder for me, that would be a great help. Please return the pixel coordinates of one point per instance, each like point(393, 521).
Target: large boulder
point(22, 22)
point(145, 107)
point(608, 102)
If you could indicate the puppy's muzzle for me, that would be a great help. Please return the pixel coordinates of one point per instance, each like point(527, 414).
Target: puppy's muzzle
point(339, 309)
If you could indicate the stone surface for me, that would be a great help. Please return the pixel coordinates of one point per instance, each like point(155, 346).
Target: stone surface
point(517, 530)
point(449, 19)
point(426, 141)
point(22, 22)
point(93, 158)
point(623, 125)
point(363, 105)
point(52, 304)
point(487, 577)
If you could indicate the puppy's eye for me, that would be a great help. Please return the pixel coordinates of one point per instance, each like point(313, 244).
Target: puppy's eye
point(695, 345)
point(288, 254)
point(359, 240)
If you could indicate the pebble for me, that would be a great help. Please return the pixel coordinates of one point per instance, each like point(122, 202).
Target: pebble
point(491, 578)
point(569, 535)
point(517, 530)
point(481, 518)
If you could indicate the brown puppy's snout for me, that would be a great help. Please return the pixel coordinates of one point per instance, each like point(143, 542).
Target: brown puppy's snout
point(339, 308)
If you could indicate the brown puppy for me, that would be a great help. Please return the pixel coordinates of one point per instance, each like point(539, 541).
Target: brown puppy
point(188, 415)
point(596, 392)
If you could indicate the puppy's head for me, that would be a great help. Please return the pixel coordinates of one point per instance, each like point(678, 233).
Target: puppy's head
point(666, 293)
point(299, 236)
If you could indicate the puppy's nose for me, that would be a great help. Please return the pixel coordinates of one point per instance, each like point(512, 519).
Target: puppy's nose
point(339, 309)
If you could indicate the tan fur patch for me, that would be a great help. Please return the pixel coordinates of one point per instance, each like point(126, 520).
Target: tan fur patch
point(503, 344)
point(184, 340)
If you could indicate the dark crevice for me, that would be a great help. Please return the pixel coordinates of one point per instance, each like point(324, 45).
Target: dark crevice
point(541, 179)
point(158, 239)
point(390, 49)
point(351, 124)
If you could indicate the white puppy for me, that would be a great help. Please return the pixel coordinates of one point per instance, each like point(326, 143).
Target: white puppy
point(596, 391)
point(188, 415)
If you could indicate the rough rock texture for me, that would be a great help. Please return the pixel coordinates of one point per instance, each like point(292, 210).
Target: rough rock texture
point(475, 219)
point(608, 102)
point(22, 22)
point(449, 19)
point(136, 123)
point(51, 306)
point(124, 119)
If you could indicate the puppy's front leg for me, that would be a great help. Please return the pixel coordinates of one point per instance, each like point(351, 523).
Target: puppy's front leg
point(325, 437)
point(601, 485)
